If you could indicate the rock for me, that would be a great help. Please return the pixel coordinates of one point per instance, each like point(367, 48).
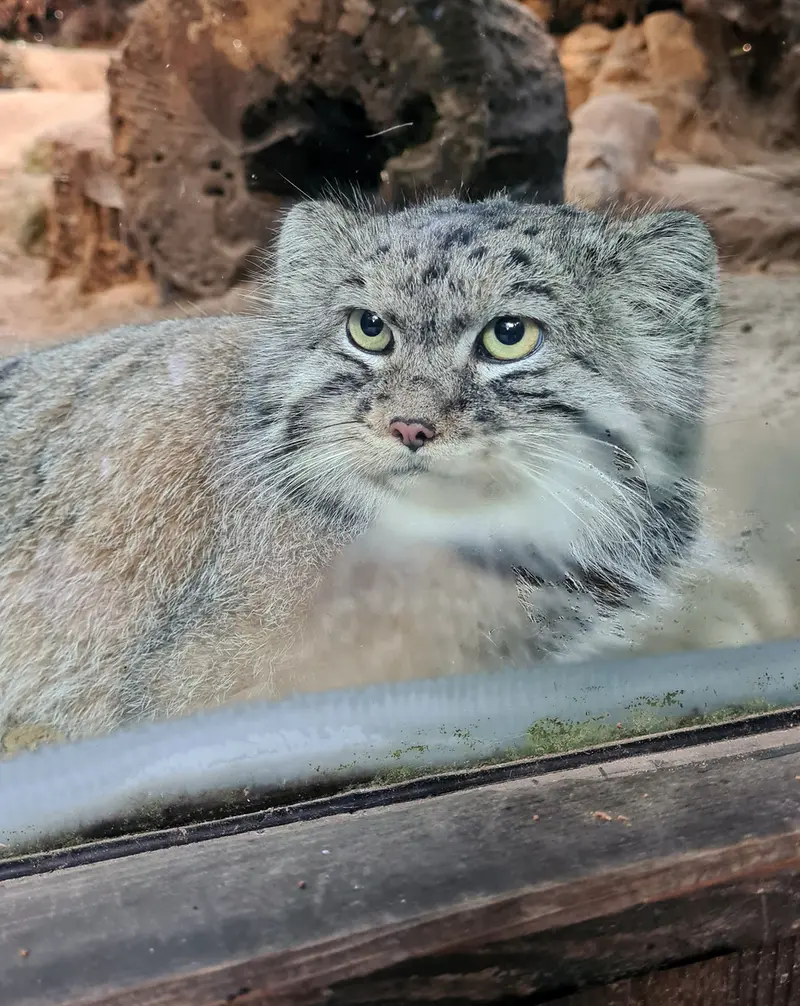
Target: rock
point(753, 213)
point(73, 22)
point(626, 65)
point(660, 63)
point(99, 21)
point(612, 143)
point(543, 9)
point(24, 201)
point(26, 737)
point(48, 68)
point(12, 67)
point(678, 72)
point(581, 54)
point(675, 57)
point(84, 233)
point(219, 118)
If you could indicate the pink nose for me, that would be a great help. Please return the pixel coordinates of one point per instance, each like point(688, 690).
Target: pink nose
point(413, 432)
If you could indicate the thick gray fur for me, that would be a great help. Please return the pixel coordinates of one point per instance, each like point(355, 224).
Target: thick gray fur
point(177, 499)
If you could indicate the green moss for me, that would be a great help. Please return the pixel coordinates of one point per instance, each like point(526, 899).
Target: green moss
point(33, 230)
point(550, 736)
point(38, 158)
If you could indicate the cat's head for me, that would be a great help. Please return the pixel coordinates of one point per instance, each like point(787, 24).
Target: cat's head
point(481, 365)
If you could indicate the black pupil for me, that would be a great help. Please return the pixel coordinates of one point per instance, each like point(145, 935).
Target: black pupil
point(371, 325)
point(509, 330)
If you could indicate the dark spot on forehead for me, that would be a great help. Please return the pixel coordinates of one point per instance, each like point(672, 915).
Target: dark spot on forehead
point(531, 232)
point(380, 252)
point(486, 415)
point(456, 286)
point(434, 272)
point(535, 288)
point(503, 224)
point(428, 328)
point(477, 253)
point(409, 254)
point(518, 257)
point(356, 281)
point(458, 323)
point(459, 236)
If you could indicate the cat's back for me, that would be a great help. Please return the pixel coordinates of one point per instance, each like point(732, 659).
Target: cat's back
point(108, 507)
point(135, 403)
point(100, 435)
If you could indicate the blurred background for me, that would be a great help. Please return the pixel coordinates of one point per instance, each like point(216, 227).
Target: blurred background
point(145, 147)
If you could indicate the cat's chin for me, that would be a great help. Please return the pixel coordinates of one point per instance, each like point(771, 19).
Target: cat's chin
point(494, 520)
point(495, 534)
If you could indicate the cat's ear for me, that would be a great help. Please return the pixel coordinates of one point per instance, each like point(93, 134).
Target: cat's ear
point(310, 233)
point(664, 273)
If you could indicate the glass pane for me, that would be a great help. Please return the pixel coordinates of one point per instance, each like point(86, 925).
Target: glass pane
point(364, 412)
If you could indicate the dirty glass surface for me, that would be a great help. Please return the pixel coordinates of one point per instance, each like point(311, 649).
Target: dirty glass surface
point(380, 485)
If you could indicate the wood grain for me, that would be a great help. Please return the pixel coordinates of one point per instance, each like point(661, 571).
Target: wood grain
point(764, 977)
point(511, 889)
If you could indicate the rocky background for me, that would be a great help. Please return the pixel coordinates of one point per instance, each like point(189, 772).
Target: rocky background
point(146, 147)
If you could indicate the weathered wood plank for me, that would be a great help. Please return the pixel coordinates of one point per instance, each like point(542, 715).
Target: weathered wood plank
point(694, 852)
point(766, 977)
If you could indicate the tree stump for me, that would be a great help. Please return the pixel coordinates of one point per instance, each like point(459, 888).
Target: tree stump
point(223, 111)
point(84, 230)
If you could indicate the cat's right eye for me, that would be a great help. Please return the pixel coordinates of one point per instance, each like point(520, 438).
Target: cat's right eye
point(369, 332)
point(510, 337)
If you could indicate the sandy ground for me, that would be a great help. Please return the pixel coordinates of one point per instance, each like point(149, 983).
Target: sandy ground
point(753, 438)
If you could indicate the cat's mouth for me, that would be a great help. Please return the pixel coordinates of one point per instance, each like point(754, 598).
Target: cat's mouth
point(449, 487)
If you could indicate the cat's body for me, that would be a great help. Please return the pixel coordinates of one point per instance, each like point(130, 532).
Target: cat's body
point(177, 500)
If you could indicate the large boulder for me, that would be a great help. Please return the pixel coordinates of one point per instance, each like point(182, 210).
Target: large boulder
point(613, 143)
point(659, 62)
point(582, 53)
point(222, 112)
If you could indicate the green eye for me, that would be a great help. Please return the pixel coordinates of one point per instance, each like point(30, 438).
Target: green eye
point(511, 337)
point(369, 331)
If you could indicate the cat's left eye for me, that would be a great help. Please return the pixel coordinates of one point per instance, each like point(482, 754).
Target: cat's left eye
point(510, 337)
point(369, 332)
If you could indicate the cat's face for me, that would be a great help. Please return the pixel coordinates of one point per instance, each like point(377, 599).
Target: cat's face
point(494, 362)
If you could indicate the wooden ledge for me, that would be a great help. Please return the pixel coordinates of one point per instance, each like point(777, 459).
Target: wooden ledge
point(536, 886)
